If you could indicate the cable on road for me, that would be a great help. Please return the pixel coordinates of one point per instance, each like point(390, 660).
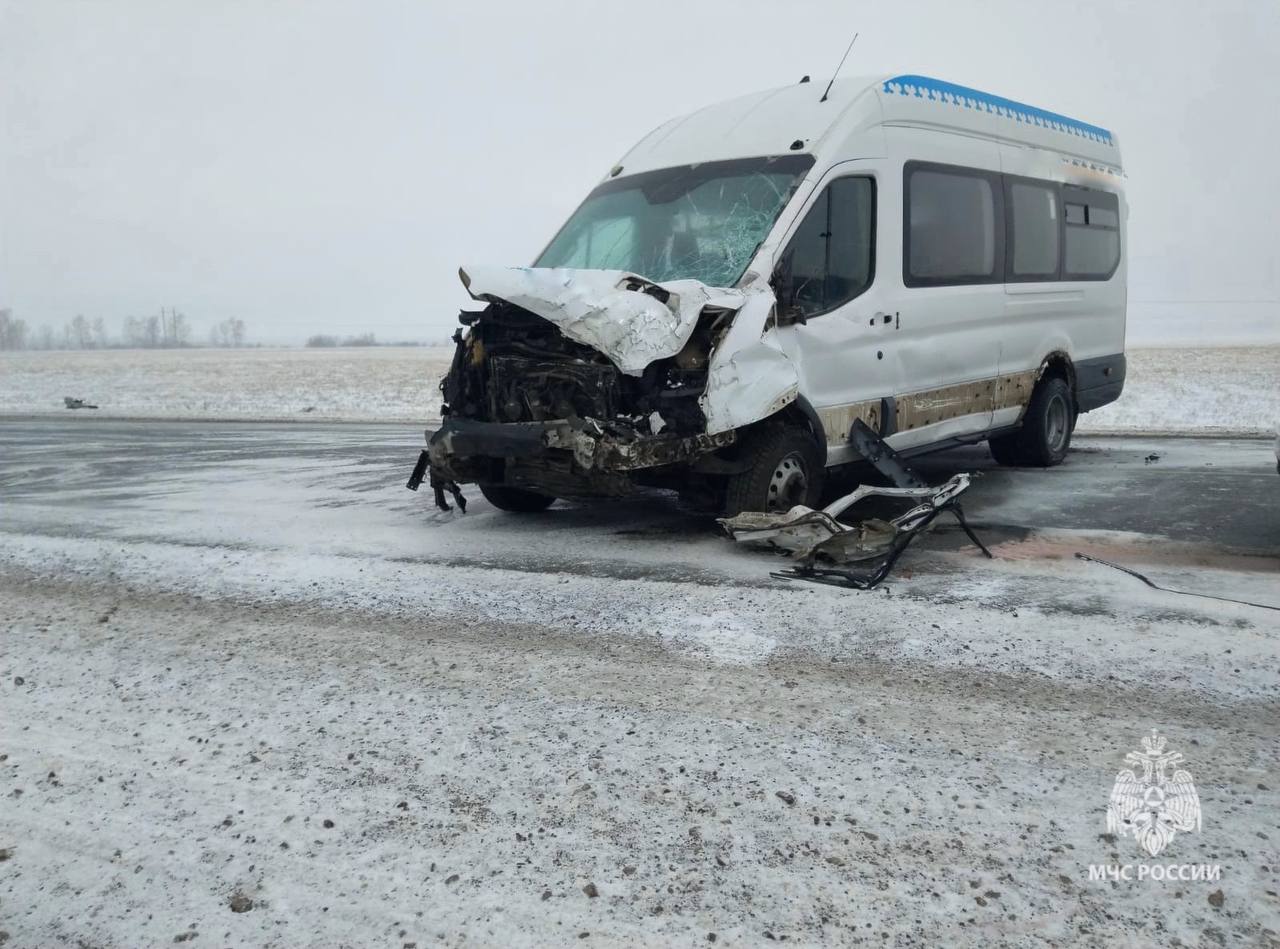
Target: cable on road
point(1156, 586)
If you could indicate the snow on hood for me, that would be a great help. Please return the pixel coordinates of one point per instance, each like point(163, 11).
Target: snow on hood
point(598, 309)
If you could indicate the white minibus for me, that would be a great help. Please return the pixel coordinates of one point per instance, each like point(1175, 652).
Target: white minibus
point(944, 264)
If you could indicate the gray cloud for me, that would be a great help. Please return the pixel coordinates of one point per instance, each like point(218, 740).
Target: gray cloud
point(327, 166)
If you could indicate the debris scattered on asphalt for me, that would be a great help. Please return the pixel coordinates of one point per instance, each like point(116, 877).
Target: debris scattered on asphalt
point(76, 403)
point(1153, 457)
point(808, 535)
point(1156, 586)
point(240, 903)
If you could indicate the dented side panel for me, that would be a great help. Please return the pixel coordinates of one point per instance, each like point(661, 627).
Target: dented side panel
point(750, 377)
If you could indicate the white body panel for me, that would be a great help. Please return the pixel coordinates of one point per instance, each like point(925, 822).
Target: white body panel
point(928, 363)
point(944, 337)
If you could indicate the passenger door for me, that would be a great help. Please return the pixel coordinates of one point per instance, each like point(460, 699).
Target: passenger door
point(830, 319)
point(952, 304)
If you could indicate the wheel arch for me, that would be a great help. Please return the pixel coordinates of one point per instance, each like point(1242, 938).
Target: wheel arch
point(801, 412)
point(1058, 364)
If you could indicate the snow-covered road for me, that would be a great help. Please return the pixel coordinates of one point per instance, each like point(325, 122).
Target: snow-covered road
point(243, 669)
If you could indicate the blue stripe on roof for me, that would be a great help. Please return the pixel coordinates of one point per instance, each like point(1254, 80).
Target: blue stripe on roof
point(922, 87)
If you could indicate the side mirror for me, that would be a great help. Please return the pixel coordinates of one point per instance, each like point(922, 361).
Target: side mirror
point(784, 295)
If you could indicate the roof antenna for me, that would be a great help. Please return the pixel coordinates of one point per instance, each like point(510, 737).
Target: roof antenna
point(838, 68)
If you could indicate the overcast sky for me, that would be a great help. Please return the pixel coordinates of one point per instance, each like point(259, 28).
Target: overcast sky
point(326, 166)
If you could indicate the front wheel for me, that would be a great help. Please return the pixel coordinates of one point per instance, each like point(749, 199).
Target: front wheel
point(786, 468)
point(1045, 435)
point(516, 500)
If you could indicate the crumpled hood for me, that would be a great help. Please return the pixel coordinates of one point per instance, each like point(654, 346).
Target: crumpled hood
point(597, 308)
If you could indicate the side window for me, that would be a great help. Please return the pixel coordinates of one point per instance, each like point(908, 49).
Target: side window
point(955, 227)
point(851, 260)
point(831, 257)
point(1034, 226)
point(1091, 249)
point(806, 260)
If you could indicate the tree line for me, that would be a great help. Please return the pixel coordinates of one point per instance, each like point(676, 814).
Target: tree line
point(322, 340)
point(169, 329)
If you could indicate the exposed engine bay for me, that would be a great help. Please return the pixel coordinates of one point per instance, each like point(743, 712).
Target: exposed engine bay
point(514, 366)
point(578, 383)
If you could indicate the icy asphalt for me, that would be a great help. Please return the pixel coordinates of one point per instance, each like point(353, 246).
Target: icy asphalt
point(218, 637)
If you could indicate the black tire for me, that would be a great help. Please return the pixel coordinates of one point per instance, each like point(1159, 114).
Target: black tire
point(515, 500)
point(1004, 449)
point(1045, 435)
point(786, 468)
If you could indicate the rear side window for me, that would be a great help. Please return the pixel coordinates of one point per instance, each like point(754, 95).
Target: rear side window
point(967, 226)
point(955, 226)
point(831, 257)
point(1091, 238)
point(1034, 228)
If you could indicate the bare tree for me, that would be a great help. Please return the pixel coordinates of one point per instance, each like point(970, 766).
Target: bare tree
point(228, 333)
point(13, 331)
point(99, 331)
point(179, 329)
point(133, 333)
point(77, 334)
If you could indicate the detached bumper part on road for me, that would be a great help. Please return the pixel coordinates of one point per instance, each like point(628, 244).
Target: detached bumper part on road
point(563, 456)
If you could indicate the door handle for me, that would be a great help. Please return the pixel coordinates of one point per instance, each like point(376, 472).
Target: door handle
point(884, 318)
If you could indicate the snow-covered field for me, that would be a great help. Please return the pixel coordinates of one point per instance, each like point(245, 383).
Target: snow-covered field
point(384, 383)
point(1168, 390)
point(1197, 391)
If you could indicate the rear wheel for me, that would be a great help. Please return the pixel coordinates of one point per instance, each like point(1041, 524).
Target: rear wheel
point(516, 500)
point(1045, 435)
point(1004, 449)
point(786, 468)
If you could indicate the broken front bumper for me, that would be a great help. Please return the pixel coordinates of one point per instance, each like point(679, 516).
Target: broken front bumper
point(464, 450)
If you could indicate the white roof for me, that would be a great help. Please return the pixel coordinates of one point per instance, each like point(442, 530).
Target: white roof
point(771, 122)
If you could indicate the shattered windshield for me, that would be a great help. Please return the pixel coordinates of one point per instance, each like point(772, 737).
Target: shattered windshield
point(700, 221)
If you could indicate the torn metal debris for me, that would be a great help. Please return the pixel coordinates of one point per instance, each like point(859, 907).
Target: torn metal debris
point(876, 545)
point(810, 535)
point(806, 534)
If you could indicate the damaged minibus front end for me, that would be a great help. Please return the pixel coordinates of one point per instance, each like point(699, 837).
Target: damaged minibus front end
point(574, 383)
